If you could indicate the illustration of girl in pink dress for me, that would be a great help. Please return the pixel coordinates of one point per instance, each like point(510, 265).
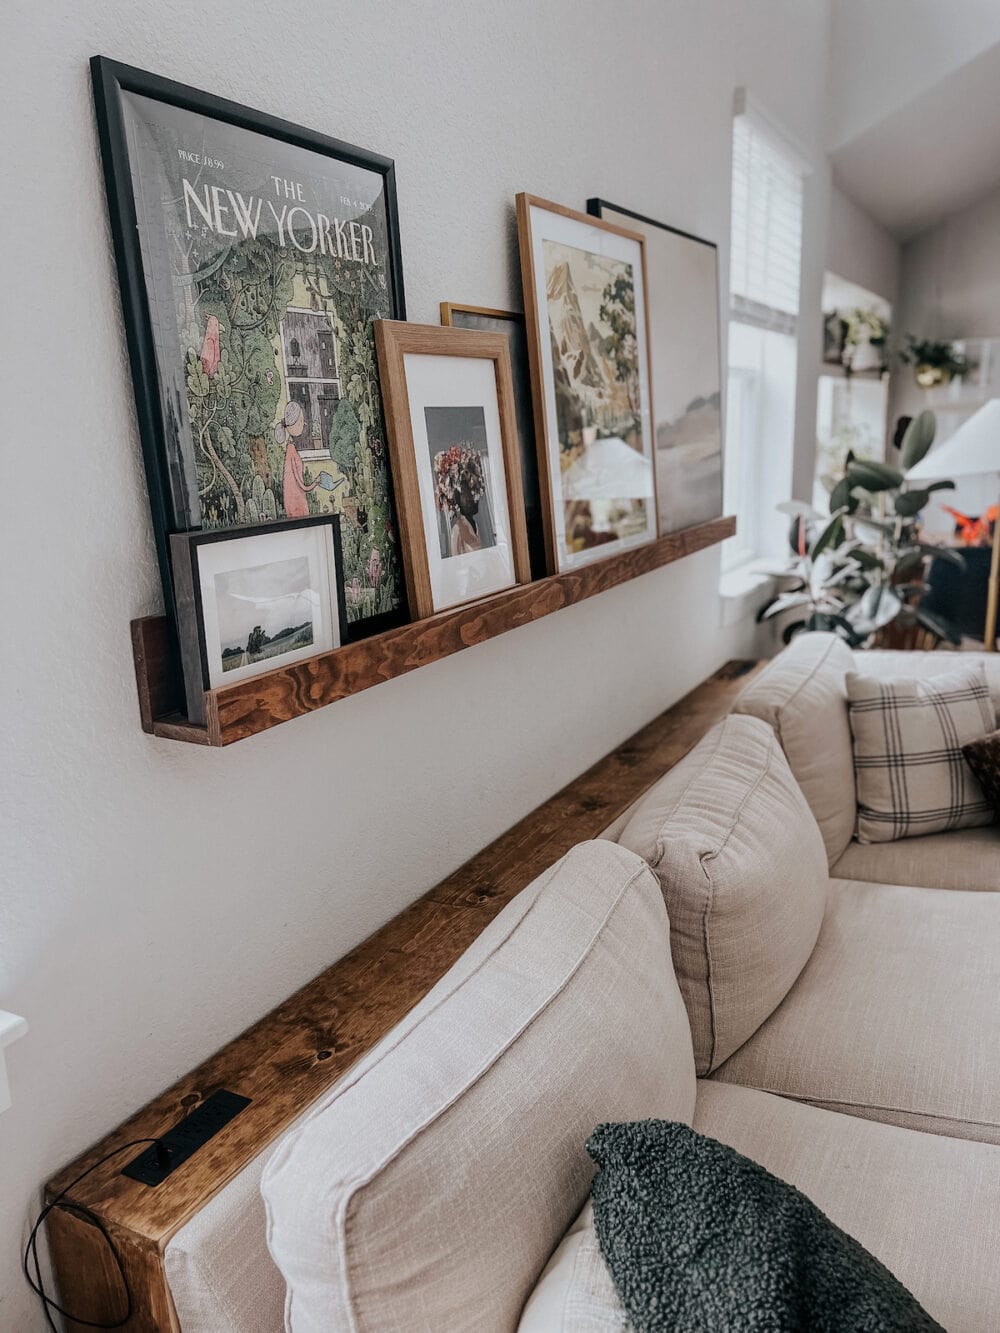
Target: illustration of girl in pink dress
point(296, 488)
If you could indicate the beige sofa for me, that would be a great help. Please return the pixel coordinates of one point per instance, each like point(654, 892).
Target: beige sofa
point(706, 968)
point(801, 695)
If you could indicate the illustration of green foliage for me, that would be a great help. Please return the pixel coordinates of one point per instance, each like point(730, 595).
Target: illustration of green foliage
point(618, 312)
point(345, 433)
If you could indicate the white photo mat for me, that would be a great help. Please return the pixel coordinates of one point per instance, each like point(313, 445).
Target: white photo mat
point(546, 225)
point(311, 542)
point(464, 382)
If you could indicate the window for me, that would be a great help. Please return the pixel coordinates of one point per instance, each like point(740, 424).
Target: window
point(764, 273)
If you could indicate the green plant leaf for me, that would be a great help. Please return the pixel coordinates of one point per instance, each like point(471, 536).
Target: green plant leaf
point(910, 503)
point(830, 535)
point(917, 440)
point(784, 602)
point(944, 629)
point(790, 631)
point(943, 553)
point(909, 562)
point(878, 607)
point(874, 476)
point(841, 497)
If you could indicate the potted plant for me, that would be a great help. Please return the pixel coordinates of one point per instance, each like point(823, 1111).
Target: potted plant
point(934, 363)
point(861, 571)
point(865, 336)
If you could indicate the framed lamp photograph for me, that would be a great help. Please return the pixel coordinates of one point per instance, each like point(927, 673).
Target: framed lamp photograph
point(251, 601)
point(511, 325)
point(585, 302)
point(455, 455)
point(685, 357)
point(253, 256)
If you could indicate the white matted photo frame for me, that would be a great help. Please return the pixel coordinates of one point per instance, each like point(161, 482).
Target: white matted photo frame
point(682, 273)
point(586, 307)
point(252, 600)
point(453, 440)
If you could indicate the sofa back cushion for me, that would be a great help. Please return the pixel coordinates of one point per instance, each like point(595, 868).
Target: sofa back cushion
point(429, 1189)
point(743, 872)
point(802, 695)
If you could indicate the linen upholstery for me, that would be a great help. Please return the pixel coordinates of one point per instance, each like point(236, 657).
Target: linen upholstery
point(908, 735)
point(743, 871)
point(925, 1205)
point(895, 1017)
point(470, 1121)
point(801, 695)
point(963, 859)
point(883, 662)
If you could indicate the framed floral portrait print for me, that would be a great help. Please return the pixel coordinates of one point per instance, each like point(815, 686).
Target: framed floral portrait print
point(585, 301)
point(454, 446)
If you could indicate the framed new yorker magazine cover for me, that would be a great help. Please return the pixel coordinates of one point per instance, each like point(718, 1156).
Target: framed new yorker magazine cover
point(585, 301)
point(253, 256)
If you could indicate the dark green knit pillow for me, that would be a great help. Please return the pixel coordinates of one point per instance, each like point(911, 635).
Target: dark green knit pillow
point(698, 1237)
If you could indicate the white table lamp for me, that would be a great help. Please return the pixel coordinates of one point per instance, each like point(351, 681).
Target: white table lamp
point(973, 451)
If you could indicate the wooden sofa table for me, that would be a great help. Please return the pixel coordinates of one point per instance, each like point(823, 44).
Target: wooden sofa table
point(287, 1060)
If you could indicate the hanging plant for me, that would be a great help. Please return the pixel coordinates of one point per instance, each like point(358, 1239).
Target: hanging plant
point(934, 363)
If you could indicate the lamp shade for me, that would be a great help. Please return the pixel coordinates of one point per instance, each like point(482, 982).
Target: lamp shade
point(972, 451)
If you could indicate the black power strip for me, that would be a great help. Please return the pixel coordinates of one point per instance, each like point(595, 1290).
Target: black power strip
point(176, 1145)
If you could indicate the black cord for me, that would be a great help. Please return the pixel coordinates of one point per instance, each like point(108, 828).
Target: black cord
point(37, 1283)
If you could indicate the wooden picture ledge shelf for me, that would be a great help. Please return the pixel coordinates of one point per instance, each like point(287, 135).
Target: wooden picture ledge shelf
point(234, 712)
point(294, 1054)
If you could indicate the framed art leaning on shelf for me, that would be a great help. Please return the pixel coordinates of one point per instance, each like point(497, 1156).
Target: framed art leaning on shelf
point(249, 601)
point(585, 302)
point(454, 445)
point(682, 272)
point(253, 255)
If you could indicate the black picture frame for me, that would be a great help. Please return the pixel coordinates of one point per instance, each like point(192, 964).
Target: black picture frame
point(192, 641)
point(111, 80)
point(702, 479)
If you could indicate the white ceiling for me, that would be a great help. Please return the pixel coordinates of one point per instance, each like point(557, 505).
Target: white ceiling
point(931, 157)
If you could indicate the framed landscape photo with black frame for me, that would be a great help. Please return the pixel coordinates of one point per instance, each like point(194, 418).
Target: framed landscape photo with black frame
point(685, 362)
point(252, 600)
point(585, 302)
point(253, 256)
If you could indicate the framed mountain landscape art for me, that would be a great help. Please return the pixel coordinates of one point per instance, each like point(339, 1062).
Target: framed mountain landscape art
point(684, 347)
point(585, 302)
point(456, 457)
point(253, 256)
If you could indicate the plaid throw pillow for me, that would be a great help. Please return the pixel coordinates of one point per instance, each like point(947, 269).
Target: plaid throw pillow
point(911, 775)
point(983, 758)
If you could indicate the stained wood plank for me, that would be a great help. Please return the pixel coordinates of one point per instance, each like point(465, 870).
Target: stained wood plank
point(294, 1054)
point(236, 712)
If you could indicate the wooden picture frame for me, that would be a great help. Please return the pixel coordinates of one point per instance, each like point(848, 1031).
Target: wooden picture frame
point(685, 352)
point(513, 325)
point(418, 444)
point(615, 416)
point(173, 156)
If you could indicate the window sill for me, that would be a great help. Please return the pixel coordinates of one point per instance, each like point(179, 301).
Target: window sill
point(744, 589)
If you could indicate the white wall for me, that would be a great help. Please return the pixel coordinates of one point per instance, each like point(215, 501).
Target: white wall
point(886, 53)
point(951, 276)
point(861, 250)
point(157, 897)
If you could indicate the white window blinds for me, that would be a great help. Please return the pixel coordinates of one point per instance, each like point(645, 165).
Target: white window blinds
point(766, 240)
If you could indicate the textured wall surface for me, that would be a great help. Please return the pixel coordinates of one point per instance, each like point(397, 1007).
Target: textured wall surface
point(157, 898)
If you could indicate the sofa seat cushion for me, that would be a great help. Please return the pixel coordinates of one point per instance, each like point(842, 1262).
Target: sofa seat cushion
point(802, 695)
point(964, 859)
point(924, 1205)
point(896, 1017)
point(743, 871)
point(429, 1189)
